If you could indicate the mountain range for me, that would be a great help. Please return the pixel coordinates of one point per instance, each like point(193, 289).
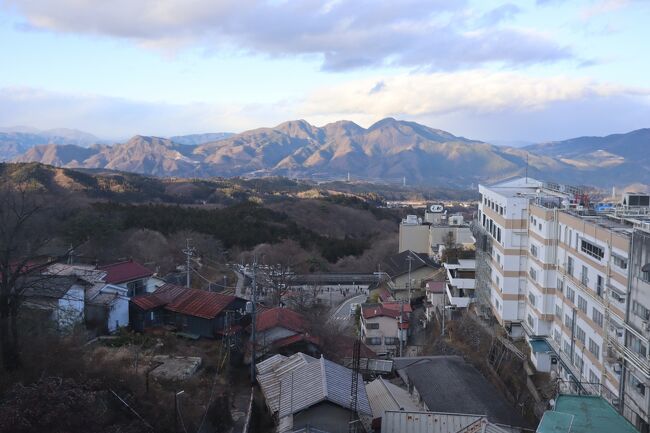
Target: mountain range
point(388, 151)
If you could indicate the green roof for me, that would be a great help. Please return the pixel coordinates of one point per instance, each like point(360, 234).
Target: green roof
point(583, 414)
point(540, 346)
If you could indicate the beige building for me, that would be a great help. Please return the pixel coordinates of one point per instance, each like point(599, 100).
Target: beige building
point(428, 235)
point(569, 279)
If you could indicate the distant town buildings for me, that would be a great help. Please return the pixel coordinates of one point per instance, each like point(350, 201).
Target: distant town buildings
point(429, 235)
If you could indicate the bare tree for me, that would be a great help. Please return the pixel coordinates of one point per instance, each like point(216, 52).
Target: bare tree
point(25, 229)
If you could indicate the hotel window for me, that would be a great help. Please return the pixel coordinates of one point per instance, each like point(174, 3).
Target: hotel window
point(591, 249)
point(580, 334)
point(570, 294)
point(597, 317)
point(637, 384)
point(531, 321)
point(558, 312)
point(582, 304)
point(533, 274)
point(584, 275)
point(568, 322)
point(567, 347)
point(556, 336)
point(578, 362)
point(594, 348)
point(532, 299)
point(637, 345)
point(569, 265)
point(560, 285)
point(533, 250)
point(599, 285)
point(619, 261)
point(372, 325)
point(640, 311)
point(593, 378)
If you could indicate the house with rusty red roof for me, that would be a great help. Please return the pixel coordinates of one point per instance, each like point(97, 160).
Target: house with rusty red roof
point(191, 311)
point(282, 330)
point(128, 274)
point(384, 326)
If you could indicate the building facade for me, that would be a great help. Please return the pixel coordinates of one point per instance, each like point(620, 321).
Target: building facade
point(571, 280)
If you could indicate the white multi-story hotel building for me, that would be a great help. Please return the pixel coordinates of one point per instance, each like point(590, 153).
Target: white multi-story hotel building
point(571, 280)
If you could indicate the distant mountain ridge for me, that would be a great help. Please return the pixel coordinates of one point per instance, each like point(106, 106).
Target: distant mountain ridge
point(389, 150)
point(196, 139)
point(17, 140)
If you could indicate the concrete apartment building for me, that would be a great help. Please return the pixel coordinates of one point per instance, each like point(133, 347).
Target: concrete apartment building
point(427, 235)
point(571, 280)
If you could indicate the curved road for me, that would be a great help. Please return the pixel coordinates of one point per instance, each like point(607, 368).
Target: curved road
point(342, 312)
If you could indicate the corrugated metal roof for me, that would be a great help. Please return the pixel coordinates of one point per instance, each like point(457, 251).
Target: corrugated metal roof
point(163, 295)
point(383, 396)
point(425, 422)
point(310, 384)
point(200, 303)
point(122, 272)
point(270, 372)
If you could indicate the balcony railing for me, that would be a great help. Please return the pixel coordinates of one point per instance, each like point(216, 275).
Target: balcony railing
point(461, 283)
point(458, 301)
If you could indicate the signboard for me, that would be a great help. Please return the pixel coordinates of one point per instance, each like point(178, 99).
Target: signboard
point(436, 208)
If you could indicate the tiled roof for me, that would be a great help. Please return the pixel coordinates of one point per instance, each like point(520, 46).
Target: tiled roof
point(200, 303)
point(395, 306)
point(466, 390)
point(435, 286)
point(385, 295)
point(122, 272)
point(280, 317)
point(369, 312)
point(54, 286)
point(398, 264)
point(296, 338)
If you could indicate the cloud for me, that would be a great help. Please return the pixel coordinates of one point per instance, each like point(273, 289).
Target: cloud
point(476, 104)
point(501, 13)
point(475, 91)
point(345, 34)
point(119, 118)
point(601, 7)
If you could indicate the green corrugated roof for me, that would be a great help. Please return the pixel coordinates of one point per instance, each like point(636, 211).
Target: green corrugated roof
point(583, 414)
point(540, 346)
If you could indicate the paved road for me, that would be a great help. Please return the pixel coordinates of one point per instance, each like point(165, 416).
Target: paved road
point(342, 313)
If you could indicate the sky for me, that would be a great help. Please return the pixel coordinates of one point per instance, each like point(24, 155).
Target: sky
point(505, 72)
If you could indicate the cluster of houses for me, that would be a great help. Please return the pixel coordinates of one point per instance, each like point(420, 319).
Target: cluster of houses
point(424, 394)
point(127, 294)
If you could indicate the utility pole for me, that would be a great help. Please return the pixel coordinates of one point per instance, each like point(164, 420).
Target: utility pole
point(189, 252)
point(410, 260)
point(176, 394)
point(253, 319)
point(400, 330)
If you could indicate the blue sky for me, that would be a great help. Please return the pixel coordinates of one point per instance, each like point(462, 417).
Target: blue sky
point(531, 70)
